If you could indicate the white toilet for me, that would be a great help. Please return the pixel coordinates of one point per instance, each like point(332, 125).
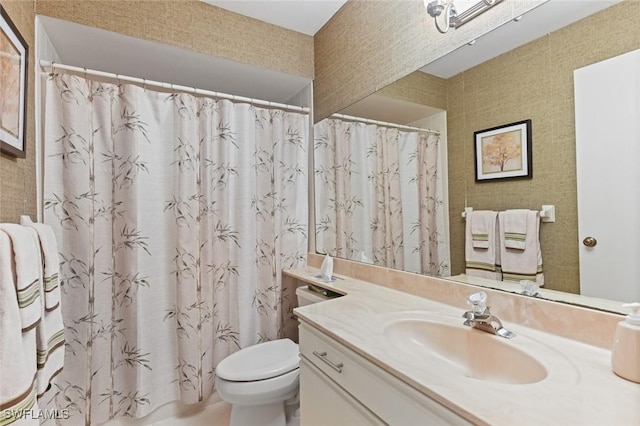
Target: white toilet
point(260, 379)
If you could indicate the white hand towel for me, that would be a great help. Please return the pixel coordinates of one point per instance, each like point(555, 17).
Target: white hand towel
point(17, 348)
point(483, 223)
point(26, 273)
point(515, 228)
point(524, 264)
point(50, 330)
point(51, 263)
point(483, 262)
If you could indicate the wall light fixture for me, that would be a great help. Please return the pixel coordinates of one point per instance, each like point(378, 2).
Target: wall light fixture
point(446, 15)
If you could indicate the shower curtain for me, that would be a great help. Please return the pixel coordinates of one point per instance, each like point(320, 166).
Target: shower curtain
point(379, 196)
point(174, 215)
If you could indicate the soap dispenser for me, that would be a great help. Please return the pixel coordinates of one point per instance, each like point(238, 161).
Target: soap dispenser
point(625, 355)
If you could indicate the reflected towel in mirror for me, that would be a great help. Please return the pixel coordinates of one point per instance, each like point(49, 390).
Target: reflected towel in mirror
point(515, 228)
point(483, 261)
point(524, 264)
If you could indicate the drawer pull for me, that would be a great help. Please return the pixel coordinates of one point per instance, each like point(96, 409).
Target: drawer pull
point(323, 357)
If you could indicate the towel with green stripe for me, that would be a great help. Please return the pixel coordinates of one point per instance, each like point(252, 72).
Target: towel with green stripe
point(482, 257)
point(526, 263)
point(482, 222)
point(17, 343)
point(50, 331)
point(515, 228)
point(27, 275)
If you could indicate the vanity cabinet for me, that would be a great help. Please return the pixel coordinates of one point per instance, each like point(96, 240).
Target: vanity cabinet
point(340, 387)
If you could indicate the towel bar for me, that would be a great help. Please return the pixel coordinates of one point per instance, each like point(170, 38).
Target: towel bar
point(547, 213)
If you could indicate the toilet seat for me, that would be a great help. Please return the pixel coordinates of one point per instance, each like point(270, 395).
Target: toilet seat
point(265, 391)
point(259, 362)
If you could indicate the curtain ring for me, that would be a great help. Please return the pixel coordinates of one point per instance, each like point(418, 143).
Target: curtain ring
point(144, 84)
point(85, 73)
point(118, 79)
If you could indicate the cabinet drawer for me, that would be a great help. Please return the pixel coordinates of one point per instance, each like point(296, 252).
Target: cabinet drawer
point(323, 402)
point(392, 400)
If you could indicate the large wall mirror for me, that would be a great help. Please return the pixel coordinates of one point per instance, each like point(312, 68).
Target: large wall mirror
point(395, 171)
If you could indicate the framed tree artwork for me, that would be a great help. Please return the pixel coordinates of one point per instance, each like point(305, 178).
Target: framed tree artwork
point(13, 88)
point(504, 152)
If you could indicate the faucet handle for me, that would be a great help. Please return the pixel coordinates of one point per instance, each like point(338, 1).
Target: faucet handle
point(478, 302)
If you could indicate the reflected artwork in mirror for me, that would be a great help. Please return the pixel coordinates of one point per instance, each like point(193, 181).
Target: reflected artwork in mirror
point(469, 90)
point(503, 152)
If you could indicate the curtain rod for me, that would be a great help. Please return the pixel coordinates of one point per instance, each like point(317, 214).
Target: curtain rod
point(384, 123)
point(170, 86)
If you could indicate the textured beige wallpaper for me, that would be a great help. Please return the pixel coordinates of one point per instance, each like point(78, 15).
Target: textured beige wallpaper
point(533, 82)
point(370, 44)
point(196, 26)
point(18, 175)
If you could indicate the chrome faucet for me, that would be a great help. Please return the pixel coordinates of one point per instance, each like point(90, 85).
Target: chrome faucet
point(480, 317)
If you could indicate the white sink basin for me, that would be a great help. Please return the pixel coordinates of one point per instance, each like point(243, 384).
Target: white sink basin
point(472, 353)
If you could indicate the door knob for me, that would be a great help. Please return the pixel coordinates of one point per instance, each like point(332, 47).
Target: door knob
point(590, 242)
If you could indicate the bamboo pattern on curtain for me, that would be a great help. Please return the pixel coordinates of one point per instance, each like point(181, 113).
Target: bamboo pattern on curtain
point(379, 196)
point(174, 215)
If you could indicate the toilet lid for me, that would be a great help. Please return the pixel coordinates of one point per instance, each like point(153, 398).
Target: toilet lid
point(261, 361)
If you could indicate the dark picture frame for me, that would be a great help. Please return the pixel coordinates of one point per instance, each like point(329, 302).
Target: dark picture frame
point(14, 53)
point(503, 152)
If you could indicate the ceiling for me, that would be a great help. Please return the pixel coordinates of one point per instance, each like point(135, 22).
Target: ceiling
point(303, 16)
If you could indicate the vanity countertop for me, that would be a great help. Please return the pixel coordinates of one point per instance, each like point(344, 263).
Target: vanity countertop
point(580, 388)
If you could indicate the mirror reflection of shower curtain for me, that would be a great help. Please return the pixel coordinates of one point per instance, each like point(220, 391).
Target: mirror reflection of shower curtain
point(378, 196)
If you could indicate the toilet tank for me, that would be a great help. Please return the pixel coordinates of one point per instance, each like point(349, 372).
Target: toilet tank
point(313, 294)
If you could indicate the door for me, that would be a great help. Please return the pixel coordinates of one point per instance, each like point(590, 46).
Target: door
point(607, 99)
